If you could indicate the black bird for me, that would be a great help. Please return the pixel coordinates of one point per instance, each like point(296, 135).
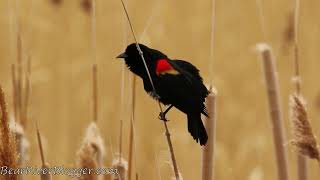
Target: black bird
point(177, 83)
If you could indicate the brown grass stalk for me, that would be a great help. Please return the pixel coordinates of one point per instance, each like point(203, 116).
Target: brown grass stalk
point(44, 164)
point(19, 78)
point(303, 138)
point(167, 132)
point(131, 135)
point(91, 152)
point(8, 152)
point(14, 89)
point(272, 85)
point(95, 92)
point(26, 92)
point(208, 150)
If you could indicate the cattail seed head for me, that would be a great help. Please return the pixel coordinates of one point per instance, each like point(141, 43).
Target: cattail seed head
point(303, 137)
point(122, 167)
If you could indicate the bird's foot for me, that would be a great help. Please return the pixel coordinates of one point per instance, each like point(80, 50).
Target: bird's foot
point(162, 116)
point(154, 95)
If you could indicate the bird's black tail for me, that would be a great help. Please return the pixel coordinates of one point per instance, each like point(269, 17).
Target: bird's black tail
point(197, 129)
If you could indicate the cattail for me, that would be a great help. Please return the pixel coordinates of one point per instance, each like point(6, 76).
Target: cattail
point(22, 143)
point(91, 152)
point(208, 150)
point(122, 167)
point(8, 153)
point(303, 137)
point(272, 85)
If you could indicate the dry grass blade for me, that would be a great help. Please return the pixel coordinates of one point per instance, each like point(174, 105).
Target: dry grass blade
point(131, 135)
point(15, 93)
point(91, 152)
point(303, 137)
point(208, 150)
point(26, 93)
point(8, 153)
point(272, 85)
point(43, 176)
point(95, 92)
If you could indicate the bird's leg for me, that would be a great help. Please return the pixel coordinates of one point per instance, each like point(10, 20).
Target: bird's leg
point(162, 115)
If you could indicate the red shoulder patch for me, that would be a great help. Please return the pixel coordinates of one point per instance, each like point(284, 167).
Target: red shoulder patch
point(163, 66)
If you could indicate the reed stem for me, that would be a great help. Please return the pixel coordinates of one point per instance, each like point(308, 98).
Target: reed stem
point(131, 136)
point(209, 148)
point(174, 163)
point(272, 85)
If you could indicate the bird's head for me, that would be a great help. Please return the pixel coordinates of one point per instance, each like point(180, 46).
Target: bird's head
point(133, 59)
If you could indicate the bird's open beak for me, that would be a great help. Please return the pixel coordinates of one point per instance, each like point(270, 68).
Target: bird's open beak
point(122, 55)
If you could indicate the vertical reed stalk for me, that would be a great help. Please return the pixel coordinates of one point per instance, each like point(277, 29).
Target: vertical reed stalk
point(272, 85)
point(261, 19)
point(301, 160)
point(122, 89)
point(167, 133)
point(14, 88)
point(131, 136)
point(26, 93)
point(95, 92)
point(19, 79)
point(302, 167)
point(208, 150)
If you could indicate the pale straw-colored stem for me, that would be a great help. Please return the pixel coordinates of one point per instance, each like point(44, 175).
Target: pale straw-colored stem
point(261, 19)
point(43, 176)
point(301, 160)
point(272, 85)
point(302, 167)
point(131, 135)
point(14, 89)
point(212, 40)
point(95, 92)
point(208, 150)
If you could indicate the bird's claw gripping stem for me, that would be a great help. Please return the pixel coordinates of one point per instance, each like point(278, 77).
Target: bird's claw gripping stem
point(162, 116)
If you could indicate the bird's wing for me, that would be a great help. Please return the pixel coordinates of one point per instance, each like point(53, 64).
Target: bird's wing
point(186, 86)
point(191, 75)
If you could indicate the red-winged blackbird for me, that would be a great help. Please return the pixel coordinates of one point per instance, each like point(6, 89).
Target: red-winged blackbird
point(177, 83)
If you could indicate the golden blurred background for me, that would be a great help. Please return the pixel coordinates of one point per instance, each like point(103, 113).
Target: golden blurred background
point(58, 38)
